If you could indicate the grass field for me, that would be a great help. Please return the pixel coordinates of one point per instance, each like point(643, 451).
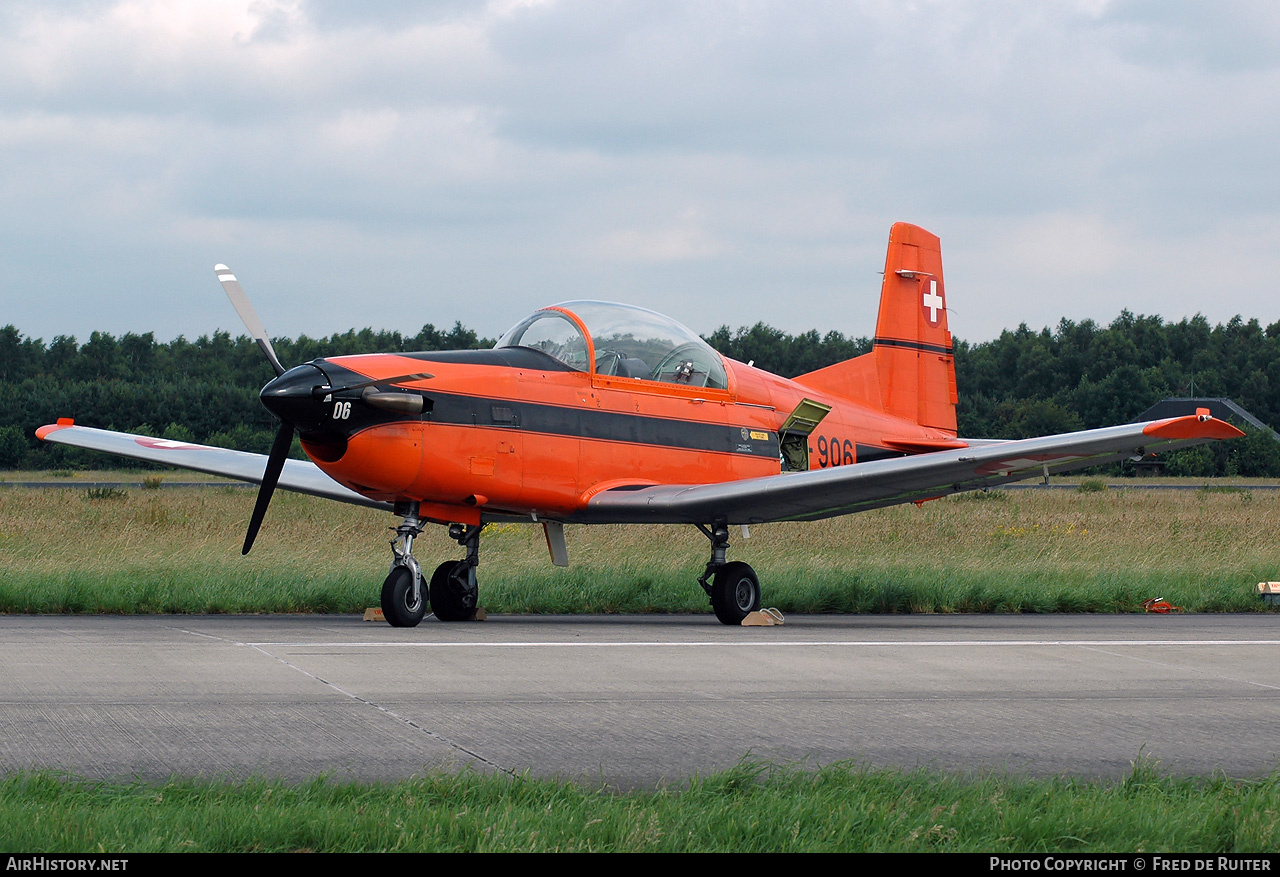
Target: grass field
point(71, 550)
point(748, 809)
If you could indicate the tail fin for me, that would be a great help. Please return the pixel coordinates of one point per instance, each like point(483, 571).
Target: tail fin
point(910, 371)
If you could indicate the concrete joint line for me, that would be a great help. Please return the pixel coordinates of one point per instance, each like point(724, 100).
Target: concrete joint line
point(1182, 668)
point(439, 738)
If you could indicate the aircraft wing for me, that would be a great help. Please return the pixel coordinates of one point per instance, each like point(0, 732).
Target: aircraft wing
point(825, 493)
point(300, 476)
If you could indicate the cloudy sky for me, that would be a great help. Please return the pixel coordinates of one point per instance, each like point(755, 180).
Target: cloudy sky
point(390, 164)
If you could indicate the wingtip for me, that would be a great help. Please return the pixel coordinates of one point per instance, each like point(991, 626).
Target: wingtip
point(63, 422)
point(220, 267)
point(1192, 426)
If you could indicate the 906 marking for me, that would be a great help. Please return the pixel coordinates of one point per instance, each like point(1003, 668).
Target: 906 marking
point(341, 410)
point(832, 453)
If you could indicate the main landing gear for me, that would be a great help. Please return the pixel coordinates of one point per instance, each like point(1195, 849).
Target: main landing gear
point(452, 592)
point(732, 586)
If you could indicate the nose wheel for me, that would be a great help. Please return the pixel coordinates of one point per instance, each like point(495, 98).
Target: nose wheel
point(404, 600)
point(402, 603)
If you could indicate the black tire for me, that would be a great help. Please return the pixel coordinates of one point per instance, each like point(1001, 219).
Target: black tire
point(735, 592)
point(453, 597)
point(398, 605)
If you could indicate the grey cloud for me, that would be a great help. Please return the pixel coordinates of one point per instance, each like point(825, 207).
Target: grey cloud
point(388, 14)
point(719, 161)
point(1223, 36)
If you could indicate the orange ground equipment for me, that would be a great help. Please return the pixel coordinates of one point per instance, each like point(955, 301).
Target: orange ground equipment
point(1160, 605)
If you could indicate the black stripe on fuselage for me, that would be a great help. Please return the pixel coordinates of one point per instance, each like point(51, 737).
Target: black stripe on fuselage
point(504, 357)
point(912, 345)
point(587, 423)
point(590, 423)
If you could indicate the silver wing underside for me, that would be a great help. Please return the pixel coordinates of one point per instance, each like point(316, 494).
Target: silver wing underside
point(300, 476)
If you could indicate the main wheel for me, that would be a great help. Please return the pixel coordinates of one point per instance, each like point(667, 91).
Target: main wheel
point(735, 592)
point(453, 596)
point(398, 604)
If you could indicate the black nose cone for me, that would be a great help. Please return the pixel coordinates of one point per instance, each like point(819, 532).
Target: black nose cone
point(290, 397)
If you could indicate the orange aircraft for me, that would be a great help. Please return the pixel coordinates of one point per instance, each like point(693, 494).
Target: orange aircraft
point(591, 412)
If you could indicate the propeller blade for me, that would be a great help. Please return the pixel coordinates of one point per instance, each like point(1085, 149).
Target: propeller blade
point(321, 392)
point(275, 464)
point(248, 315)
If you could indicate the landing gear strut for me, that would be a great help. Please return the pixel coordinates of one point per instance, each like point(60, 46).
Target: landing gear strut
point(732, 586)
point(403, 600)
point(454, 592)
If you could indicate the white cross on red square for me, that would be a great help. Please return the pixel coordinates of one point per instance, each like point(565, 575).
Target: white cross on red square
point(933, 302)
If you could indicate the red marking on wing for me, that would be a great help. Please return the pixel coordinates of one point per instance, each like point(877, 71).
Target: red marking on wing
point(165, 444)
point(1024, 461)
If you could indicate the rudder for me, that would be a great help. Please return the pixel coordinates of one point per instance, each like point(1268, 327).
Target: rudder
point(910, 372)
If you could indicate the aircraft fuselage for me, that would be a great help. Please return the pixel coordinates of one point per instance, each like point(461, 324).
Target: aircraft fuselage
point(501, 432)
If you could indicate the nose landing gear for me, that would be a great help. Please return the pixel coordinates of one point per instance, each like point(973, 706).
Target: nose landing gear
point(403, 600)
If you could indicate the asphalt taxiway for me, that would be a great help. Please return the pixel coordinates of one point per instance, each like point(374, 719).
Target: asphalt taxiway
point(636, 701)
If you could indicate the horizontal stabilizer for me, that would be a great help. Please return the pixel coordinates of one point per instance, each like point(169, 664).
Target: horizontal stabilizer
point(924, 446)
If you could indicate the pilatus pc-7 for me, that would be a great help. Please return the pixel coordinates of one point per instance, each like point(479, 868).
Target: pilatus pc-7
point(589, 412)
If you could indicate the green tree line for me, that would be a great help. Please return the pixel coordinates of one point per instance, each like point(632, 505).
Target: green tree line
point(1021, 384)
point(203, 391)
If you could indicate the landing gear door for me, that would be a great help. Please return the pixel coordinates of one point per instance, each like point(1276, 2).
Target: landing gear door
point(793, 435)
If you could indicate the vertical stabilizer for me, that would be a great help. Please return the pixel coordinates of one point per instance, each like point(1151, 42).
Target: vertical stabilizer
point(912, 348)
point(910, 372)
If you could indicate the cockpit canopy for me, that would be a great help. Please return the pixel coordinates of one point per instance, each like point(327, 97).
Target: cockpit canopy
point(620, 340)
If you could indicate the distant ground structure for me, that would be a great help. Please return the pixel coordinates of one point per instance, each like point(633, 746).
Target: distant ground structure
point(1223, 409)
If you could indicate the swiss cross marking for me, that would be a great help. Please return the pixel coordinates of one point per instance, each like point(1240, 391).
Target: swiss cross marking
point(933, 302)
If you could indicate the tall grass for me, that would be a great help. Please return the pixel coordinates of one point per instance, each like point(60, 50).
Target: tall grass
point(1024, 551)
point(751, 808)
